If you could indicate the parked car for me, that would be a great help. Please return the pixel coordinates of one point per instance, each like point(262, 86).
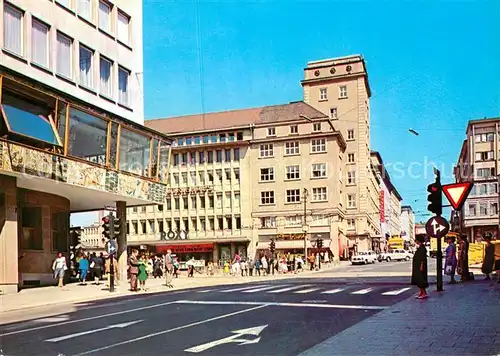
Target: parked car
point(364, 258)
point(395, 255)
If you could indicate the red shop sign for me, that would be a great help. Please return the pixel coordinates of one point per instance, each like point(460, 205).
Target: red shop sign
point(186, 248)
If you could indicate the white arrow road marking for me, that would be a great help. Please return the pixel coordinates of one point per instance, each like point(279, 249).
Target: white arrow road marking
point(333, 291)
point(304, 291)
point(363, 291)
point(263, 289)
point(71, 336)
point(255, 331)
point(288, 289)
point(396, 292)
point(239, 289)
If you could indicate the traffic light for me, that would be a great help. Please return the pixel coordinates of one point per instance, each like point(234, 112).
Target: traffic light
point(435, 196)
point(116, 227)
point(272, 246)
point(106, 226)
point(320, 243)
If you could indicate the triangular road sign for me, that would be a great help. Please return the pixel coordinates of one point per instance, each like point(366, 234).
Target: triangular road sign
point(457, 193)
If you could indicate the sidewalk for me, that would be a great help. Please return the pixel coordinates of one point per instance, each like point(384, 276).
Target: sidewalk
point(75, 293)
point(463, 320)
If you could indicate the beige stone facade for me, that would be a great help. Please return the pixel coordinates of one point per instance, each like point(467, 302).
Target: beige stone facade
point(240, 178)
point(479, 162)
point(339, 88)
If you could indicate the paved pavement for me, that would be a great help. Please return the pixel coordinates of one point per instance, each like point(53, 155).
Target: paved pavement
point(270, 317)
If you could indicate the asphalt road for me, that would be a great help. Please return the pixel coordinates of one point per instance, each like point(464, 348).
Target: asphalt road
point(284, 317)
point(384, 267)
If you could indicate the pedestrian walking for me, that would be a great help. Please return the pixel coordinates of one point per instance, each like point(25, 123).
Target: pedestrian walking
point(168, 262)
point(143, 272)
point(463, 259)
point(133, 264)
point(83, 269)
point(59, 267)
point(450, 264)
point(489, 257)
point(419, 268)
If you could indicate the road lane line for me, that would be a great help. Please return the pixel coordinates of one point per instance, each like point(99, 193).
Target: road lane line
point(288, 289)
point(276, 304)
point(333, 291)
point(305, 291)
point(239, 289)
point(89, 318)
point(171, 330)
point(206, 291)
point(363, 291)
point(263, 289)
point(396, 292)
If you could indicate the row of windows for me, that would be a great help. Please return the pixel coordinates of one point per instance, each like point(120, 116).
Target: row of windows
point(266, 150)
point(202, 157)
point(270, 222)
point(323, 93)
point(485, 173)
point(205, 177)
point(485, 137)
point(108, 80)
point(210, 138)
point(484, 209)
point(110, 19)
point(318, 170)
point(319, 194)
point(231, 200)
point(485, 156)
point(210, 223)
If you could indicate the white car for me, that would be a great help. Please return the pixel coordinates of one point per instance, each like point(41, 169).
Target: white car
point(364, 257)
point(395, 255)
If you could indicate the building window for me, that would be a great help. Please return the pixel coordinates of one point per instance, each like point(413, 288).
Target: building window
point(294, 129)
point(319, 194)
point(86, 67)
point(236, 154)
point(317, 127)
point(13, 34)
point(292, 148)
point(333, 113)
point(228, 155)
point(266, 150)
point(271, 131)
point(105, 16)
point(343, 91)
point(293, 221)
point(134, 152)
point(60, 228)
point(64, 55)
point(236, 172)
point(485, 156)
point(218, 156)
point(85, 9)
point(318, 145)
point(318, 170)
point(350, 158)
point(485, 137)
point(227, 173)
point(351, 224)
point(210, 157)
point(293, 195)
point(351, 177)
point(323, 94)
point(267, 198)
point(31, 224)
point(268, 222)
point(350, 134)
point(267, 174)
point(106, 77)
point(123, 89)
point(123, 28)
point(351, 201)
point(292, 172)
point(483, 209)
point(485, 172)
point(40, 43)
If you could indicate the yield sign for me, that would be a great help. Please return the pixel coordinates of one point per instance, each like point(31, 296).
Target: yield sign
point(456, 193)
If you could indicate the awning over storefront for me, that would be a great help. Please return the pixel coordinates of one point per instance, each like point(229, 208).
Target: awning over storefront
point(190, 248)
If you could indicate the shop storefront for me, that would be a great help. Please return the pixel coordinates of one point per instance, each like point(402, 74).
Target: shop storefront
point(293, 244)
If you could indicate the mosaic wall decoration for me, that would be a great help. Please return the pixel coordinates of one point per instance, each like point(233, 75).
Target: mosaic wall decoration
point(34, 163)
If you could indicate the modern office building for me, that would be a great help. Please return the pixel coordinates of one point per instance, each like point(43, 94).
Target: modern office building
point(241, 178)
point(479, 162)
point(339, 88)
point(71, 135)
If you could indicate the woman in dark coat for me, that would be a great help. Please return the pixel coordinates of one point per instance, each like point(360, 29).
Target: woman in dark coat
point(419, 270)
point(489, 257)
point(463, 259)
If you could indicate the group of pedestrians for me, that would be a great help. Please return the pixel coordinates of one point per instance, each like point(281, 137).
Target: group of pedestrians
point(453, 262)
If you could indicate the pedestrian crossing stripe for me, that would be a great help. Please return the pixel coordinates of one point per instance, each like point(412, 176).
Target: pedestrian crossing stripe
point(306, 289)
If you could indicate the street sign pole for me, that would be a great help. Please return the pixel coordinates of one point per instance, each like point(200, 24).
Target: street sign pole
point(439, 266)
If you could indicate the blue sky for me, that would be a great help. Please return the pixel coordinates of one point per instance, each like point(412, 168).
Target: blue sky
point(433, 65)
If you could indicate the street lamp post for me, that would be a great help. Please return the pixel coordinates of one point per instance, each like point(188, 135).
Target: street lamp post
point(304, 226)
